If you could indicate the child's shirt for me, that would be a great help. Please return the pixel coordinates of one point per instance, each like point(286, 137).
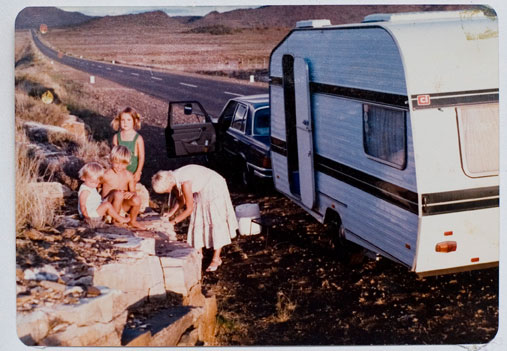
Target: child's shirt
point(131, 145)
point(92, 201)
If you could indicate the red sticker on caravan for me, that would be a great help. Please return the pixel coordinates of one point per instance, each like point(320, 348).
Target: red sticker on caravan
point(423, 100)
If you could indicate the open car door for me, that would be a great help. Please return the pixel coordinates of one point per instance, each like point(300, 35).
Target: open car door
point(189, 130)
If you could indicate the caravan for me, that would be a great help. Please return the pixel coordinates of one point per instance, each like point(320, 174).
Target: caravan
point(391, 126)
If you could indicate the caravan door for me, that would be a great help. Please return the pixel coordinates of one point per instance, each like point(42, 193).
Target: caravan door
point(304, 132)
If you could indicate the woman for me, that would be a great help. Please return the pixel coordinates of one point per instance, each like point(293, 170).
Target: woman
point(206, 198)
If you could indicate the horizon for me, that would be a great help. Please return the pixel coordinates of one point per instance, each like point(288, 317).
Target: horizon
point(172, 11)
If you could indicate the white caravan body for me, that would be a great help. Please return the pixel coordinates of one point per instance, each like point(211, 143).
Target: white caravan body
point(392, 124)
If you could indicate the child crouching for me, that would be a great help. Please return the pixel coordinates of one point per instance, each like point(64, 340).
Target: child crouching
point(90, 205)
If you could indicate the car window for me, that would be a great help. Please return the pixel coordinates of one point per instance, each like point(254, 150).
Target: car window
point(238, 122)
point(187, 113)
point(261, 122)
point(227, 114)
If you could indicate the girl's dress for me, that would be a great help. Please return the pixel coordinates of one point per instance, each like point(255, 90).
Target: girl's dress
point(92, 201)
point(131, 145)
point(213, 221)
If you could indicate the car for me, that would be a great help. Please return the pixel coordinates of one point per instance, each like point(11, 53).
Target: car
point(241, 133)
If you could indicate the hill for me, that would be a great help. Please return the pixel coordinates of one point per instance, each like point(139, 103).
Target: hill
point(33, 17)
point(287, 16)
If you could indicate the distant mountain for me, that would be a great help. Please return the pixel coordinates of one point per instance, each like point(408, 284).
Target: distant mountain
point(287, 16)
point(157, 19)
point(33, 17)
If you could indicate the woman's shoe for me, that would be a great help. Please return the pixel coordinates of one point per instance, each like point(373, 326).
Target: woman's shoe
point(214, 265)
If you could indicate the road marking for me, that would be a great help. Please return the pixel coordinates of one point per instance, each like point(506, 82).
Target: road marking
point(108, 68)
point(228, 93)
point(189, 85)
point(99, 66)
point(157, 78)
point(134, 74)
point(119, 70)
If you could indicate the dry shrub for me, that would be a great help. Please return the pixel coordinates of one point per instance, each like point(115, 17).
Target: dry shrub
point(89, 151)
point(32, 210)
point(33, 109)
point(284, 307)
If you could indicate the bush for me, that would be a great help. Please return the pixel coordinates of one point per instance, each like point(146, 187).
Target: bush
point(214, 30)
point(31, 209)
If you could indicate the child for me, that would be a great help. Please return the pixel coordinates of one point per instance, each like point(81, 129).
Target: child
point(118, 185)
point(90, 205)
point(205, 196)
point(128, 121)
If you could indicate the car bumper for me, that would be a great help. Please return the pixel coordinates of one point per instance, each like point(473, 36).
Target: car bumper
point(260, 172)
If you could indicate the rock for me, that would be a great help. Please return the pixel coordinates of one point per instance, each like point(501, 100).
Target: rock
point(207, 323)
point(148, 281)
point(189, 338)
point(75, 290)
point(182, 269)
point(34, 234)
point(51, 191)
point(88, 311)
point(92, 291)
point(47, 272)
point(32, 327)
point(75, 126)
point(53, 286)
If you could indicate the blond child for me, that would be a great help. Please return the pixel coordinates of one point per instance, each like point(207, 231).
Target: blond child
point(90, 205)
point(127, 122)
point(118, 185)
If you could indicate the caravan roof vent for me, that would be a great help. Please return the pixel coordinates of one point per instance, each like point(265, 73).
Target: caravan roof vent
point(418, 16)
point(313, 23)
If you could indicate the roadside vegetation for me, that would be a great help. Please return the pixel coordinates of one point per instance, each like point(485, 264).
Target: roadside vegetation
point(32, 82)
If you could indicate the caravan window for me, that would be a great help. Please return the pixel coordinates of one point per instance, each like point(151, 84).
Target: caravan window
point(479, 140)
point(384, 135)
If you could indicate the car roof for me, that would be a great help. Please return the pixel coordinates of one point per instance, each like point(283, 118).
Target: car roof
point(257, 101)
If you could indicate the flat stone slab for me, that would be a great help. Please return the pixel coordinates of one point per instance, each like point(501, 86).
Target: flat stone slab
point(165, 328)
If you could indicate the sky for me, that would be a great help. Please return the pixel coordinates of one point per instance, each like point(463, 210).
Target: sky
point(170, 10)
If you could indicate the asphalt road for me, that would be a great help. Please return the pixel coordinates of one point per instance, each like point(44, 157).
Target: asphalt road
point(212, 94)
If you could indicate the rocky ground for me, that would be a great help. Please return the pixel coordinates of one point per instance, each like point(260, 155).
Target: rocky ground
point(287, 286)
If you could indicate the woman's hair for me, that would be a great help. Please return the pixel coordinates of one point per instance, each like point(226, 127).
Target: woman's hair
point(162, 181)
point(115, 123)
point(92, 169)
point(120, 154)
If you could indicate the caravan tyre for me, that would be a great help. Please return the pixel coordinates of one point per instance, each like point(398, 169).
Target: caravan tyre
point(348, 252)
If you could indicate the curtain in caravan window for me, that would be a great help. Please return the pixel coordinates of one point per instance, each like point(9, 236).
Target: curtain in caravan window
point(479, 139)
point(385, 135)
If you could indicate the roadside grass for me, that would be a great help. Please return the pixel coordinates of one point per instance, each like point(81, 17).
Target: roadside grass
point(32, 210)
point(33, 77)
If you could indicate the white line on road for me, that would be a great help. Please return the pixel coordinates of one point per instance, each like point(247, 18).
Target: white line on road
point(99, 66)
point(157, 78)
point(119, 70)
point(108, 68)
point(228, 93)
point(189, 85)
point(134, 74)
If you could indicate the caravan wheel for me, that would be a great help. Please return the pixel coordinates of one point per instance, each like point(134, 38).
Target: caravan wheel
point(347, 251)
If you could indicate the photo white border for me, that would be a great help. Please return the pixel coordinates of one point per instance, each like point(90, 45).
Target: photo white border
point(9, 11)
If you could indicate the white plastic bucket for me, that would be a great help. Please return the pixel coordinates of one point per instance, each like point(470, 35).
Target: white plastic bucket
point(245, 213)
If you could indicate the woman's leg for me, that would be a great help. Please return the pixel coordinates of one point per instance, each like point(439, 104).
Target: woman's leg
point(216, 261)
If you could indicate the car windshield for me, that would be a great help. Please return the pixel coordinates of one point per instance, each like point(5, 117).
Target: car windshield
point(261, 122)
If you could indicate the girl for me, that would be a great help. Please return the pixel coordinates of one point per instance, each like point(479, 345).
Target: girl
point(206, 198)
point(128, 121)
point(90, 205)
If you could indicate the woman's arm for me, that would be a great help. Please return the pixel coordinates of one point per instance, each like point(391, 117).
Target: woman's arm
point(82, 202)
point(188, 196)
point(115, 139)
point(140, 160)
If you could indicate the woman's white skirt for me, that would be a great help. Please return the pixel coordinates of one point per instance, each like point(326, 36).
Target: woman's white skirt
point(213, 221)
